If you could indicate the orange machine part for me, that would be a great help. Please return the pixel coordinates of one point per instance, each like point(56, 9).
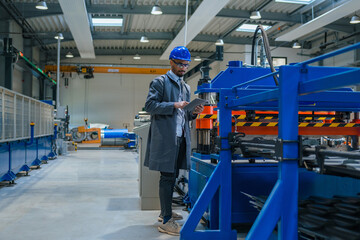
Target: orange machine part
point(98, 130)
point(205, 123)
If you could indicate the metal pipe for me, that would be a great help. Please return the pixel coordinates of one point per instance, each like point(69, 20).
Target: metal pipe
point(333, 153)
point(258, 145)
point(331, 54)
point(55, 131)
point(32, 125)
point(255, 79)
point(58, 75)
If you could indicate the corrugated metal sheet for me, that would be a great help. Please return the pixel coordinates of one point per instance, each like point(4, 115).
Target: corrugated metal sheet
point(54, 23)
point(270, 7)
point(64, 45)
point(132, 44)
point(207, 47)
point(279, 7)
point(138, 23)
point(144, 2)
point(162, 23)
point(219, 25)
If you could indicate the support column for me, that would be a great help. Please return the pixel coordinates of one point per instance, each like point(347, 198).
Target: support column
point(357, 54)
point(8, 56)
point(27, 75)
point(41, 88)
point(288, 165)
point(4, 27)
point(355, 140)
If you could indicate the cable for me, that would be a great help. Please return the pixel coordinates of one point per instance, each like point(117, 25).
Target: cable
point(267, 50)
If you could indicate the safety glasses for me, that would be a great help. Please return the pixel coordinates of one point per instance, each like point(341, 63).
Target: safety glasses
point(180, 65)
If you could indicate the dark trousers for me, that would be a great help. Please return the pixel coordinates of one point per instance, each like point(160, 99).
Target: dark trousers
point(167, 180)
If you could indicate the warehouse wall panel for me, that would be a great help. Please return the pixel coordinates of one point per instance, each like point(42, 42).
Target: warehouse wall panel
point(112, 99)
point(17, 84)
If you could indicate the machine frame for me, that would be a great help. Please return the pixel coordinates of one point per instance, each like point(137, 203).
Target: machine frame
point(299, 83)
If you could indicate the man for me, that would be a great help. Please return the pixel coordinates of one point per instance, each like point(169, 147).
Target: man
point(168, 147)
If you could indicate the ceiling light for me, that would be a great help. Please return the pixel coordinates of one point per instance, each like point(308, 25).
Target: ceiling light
point(295, 1)
point(250, 27)
point(255, 15)
point(219, 42)
point(156, 10)
point(144, 39)
point(69, 55)
point(296, 45)
point(59, 36)
point(137, 57)
point(41, 5)
point(107, 22)
point(198, 58)
point(355, 19)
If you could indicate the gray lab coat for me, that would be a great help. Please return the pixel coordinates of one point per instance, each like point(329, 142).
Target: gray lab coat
point(161, 146)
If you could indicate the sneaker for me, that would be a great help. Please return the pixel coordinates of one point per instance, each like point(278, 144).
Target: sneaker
point(174, 216)
point(170, 227)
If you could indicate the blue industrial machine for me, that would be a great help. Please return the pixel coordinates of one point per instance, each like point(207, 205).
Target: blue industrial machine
point(27, 133)
point(118, 137)
point(221, 181)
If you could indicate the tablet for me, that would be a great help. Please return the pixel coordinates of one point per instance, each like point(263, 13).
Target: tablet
point(196, 102)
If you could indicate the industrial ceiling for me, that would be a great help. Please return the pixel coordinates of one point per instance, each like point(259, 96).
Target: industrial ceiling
point(74, 20)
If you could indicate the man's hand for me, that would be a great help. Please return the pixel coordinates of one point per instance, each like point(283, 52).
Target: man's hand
point(181, 104)
point(198, 109)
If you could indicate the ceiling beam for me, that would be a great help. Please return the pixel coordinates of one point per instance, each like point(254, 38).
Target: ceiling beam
point(308, 7)
point(340, 28)
point(268, 16)
point(49, 38)
point(195, 24)
point(76, 17)
point(321, 21)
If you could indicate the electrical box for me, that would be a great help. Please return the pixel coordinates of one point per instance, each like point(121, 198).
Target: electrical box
point(61, 112)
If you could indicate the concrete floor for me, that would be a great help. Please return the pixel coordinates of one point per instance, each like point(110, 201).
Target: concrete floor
point(89, 194)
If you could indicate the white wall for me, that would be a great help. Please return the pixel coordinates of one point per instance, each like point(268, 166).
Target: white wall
point(113, 99)
point(17, 84)
point(343, 60)
point(35, 81)
point(17, 39)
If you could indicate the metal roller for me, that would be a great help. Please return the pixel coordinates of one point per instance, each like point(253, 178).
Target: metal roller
point(114, 137)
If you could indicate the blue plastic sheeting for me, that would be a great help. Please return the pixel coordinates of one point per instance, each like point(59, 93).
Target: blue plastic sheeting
point(114, 133)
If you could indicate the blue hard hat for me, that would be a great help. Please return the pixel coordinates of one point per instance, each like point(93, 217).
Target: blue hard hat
point(181, 53)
